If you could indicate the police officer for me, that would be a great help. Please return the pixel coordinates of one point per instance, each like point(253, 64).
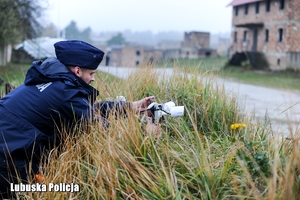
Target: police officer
point(54, 91)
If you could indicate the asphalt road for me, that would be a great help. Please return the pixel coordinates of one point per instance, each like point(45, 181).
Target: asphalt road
point(281, 107)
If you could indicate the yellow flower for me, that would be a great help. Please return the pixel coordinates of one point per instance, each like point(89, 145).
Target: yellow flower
point(236, 126)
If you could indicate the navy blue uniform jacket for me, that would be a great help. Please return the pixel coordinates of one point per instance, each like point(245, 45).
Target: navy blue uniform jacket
point(30, 113)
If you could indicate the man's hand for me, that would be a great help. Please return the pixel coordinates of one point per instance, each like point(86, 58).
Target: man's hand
point(142, 104)
point(152, 129)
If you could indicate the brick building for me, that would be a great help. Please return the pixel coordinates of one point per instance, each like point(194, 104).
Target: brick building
point(266, 33)
point(196, 45)
point(129, 55)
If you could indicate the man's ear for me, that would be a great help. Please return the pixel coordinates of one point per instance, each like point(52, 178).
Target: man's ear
point(76, 71)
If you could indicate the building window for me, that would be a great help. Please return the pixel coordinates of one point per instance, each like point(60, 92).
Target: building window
point(268, 5)
point(245, 36)
point(257, 7)
point(281, 6)
point(267, 35)
point(235, 37)
point(280, 35)
point(246, 9)
point(138, 53)
point(236, 8)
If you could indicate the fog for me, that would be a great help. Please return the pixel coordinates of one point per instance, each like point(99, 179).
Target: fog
point(136, 15)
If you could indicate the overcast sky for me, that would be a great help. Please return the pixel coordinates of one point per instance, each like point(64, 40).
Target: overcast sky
point(140, 15)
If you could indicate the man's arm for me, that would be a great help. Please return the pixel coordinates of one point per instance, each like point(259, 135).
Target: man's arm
point(120, 107)
point(106, 107)
point(78, 108)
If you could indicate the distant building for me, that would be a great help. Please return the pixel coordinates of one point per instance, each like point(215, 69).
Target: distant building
point(130, 55)
point(34, 49)
point(266, 33)
point(196, 45)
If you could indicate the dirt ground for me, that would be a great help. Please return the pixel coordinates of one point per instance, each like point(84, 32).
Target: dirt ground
point(280, 107)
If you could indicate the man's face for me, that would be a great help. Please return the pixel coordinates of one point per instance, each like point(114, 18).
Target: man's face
point(87, 75)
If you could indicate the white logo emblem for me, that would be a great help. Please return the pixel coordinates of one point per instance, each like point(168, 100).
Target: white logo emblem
point(42, 87)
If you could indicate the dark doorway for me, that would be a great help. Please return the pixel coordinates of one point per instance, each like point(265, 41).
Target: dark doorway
point(255, 34)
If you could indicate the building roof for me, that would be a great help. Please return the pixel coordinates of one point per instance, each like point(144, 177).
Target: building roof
point(40, 47)
point(241, 2)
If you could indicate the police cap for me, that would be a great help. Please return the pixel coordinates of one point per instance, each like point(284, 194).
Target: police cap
point(78, 53)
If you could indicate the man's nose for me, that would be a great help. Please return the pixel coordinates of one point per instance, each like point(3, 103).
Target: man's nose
point(92, 79)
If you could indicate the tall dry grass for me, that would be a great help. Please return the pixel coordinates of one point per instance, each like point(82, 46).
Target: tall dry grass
point(198, 156)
